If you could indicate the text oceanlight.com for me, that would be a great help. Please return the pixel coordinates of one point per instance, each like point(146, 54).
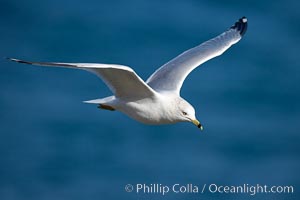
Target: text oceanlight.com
point(155, 188)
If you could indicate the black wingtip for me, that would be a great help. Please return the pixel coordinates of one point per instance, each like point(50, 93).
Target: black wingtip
point(241, 25)
point(17, 60)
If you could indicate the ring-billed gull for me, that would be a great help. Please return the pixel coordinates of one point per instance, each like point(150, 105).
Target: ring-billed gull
point(156, 101)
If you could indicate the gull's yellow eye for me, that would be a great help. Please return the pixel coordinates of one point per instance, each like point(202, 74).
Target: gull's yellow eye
point(184, 113)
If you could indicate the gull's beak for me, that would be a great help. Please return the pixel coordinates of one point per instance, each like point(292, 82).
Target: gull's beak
point(197, 123)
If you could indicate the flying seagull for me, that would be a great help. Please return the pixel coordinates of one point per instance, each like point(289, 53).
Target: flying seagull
point(156, 101)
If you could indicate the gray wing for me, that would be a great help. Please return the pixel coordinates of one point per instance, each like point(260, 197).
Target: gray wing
point(121, 80)
point(171, 75)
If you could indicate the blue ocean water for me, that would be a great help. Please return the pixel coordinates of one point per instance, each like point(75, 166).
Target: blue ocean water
point(52, 146)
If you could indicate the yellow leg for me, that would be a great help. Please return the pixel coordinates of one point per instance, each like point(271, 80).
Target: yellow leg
point(106, 107)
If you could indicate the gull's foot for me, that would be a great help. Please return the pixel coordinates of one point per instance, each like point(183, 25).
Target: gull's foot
point(106, 107)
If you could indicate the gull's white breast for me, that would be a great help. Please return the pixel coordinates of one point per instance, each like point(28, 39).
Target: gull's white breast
point(159, 110)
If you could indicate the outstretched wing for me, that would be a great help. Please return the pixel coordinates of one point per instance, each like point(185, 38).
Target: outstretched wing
point(121, 80)
point(171, 75)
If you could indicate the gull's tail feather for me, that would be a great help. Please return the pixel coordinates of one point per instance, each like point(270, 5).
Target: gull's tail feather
point(104, 103)
point(100, 101)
